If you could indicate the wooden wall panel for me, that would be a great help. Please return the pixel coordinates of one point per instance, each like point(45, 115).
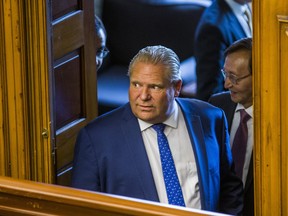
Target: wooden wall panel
point(270, 111)
point(62, 7)
point(74, 79)
point(25, 124)
point(283, 64)
point(68, 34)
point(3, 119)
point(68, 84)
point(14, 121)
point(37, 31)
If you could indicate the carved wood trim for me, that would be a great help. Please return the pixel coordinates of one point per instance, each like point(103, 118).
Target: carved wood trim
point(38, 66)
point(269, 133)
point(283, 68)
point(25, 150)
point(15, 151)
point(32, 198)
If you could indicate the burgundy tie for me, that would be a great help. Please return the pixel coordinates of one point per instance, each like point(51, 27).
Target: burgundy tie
point(240, 143)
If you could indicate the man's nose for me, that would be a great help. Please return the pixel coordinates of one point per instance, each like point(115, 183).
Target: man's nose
point(227, 83)
point(145, 93)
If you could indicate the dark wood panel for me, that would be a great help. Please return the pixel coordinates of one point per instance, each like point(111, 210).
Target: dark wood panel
point(68, 34)
point(64, 155)
point(68, 85)
point(62, 7)
point(74, 80)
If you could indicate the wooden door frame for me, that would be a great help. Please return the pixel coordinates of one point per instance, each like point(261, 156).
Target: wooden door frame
point(270, 106)
point(25, 110)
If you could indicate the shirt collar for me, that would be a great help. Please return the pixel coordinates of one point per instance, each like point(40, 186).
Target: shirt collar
point(236, 7)
point(249, 110)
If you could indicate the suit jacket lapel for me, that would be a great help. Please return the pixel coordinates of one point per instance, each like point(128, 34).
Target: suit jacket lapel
point(229, 108)
point(134, 140)
point(223, 101)
point(229, 111)
point(194, 128)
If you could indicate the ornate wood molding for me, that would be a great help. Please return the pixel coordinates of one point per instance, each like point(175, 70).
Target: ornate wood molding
point(24, 110)
point(39, 65)
point(14, 133)
point(270, 110)
point(283, 66)
point(33, 198)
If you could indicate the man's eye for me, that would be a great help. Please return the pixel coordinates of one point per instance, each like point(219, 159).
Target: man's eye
point(156, 88)
point(136, 85)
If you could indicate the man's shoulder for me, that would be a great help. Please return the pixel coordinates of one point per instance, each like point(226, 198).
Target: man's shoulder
point(215, 18)
point(223, 100)
point(198, 109)
point(196, 105)
point(217, 9)
point(112, 118)
point(220, 96)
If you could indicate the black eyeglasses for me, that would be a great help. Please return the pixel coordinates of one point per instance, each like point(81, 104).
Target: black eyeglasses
point(233, 78)
point(102, 52)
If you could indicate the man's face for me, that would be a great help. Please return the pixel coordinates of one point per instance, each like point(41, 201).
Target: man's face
point(100, 44)
point(151, 94)
point(237, 64)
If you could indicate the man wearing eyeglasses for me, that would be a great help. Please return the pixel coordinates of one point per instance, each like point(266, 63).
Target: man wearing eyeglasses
point(222, 23)
point(237, 103)
point(100, 38)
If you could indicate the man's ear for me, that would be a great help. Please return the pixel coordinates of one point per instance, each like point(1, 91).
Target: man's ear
point(177, 87)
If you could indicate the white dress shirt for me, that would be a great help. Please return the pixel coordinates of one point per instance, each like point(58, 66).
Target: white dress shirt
point(234, 127)
point(183, 155)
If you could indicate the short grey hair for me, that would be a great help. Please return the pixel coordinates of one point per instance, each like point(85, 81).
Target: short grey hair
point(159, 55)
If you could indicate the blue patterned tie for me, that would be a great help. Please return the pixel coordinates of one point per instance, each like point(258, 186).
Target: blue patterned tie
point(172, 184)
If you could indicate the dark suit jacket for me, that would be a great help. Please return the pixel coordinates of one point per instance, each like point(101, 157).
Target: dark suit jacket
point(110, 157)
point(216, 31)
point(223, 101)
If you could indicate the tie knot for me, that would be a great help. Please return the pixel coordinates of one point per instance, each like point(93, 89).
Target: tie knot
point(244, 116)
point(246, 15)
point(159, 127)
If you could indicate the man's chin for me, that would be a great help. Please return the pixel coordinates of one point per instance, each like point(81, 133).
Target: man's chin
point(146, 116)
point(234, 97)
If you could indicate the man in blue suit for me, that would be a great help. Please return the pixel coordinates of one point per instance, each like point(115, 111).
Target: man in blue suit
point(117, 153)
point(222, 23)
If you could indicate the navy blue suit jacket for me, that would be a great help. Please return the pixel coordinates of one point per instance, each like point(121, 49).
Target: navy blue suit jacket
point(223, 101)
point(110, 157)
point(217, 30)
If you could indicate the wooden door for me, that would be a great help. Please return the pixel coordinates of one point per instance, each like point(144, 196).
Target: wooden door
point(270, 54)
point(73, 78)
